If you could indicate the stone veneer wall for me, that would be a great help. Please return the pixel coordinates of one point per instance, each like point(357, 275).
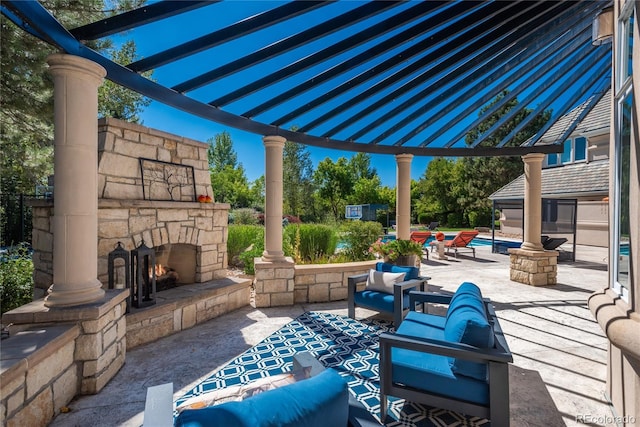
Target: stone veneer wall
point(120, 146)
point(284, 283)
point(79, 355)
point(536, 268)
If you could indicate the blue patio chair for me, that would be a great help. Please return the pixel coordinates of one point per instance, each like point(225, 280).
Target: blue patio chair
point(396, 302)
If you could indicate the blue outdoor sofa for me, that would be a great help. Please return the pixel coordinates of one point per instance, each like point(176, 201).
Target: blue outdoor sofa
point(457, 362)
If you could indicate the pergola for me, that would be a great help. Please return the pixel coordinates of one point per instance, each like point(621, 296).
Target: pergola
point(400, 78)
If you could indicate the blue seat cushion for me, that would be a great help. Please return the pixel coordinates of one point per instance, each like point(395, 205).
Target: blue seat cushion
point(379, 301)
point(410, 272)
point(322, 400)
point(423, 325)
point(433, 373)
point(467, 323)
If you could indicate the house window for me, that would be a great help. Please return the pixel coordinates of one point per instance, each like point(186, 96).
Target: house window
point(574, 150)
point(625, 42)
point(580, 149)
point(623, 120)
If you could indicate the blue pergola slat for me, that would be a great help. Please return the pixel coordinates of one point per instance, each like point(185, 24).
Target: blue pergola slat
point(585, 56)
point(135, 18)
point(562, 92)
point(287, 44)
point(556, 57)
point(473, 20)
point(509, 59)
point(417, 11)
point(442, 17)
point(225, 35)
point(495, 50)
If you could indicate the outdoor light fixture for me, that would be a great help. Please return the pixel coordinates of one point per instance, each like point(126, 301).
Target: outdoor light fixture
point(120, 277)
point(602, 27)
point(143, 262)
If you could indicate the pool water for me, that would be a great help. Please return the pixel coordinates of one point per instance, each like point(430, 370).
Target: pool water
point(476, 242)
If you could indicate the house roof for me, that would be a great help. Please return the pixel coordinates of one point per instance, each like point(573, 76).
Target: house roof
point(383, 77)
point(577, 179)
point(596, 120)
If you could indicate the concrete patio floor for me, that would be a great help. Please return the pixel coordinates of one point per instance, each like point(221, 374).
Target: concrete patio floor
point(557, 378)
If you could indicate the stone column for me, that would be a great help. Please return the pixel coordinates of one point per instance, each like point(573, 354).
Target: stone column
point(532, 201)
point(531, 264)
point(403, 196)
point(75, 219)
point(274, 147)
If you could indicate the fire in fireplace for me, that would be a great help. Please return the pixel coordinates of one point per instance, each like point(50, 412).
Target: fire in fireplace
point(166, 277)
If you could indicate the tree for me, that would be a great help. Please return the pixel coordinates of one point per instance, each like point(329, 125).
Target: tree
point(221, 152)
point(26, 97)
point(435, 193)
point(297, 179)
point(360, 165)
point(117, 101)
point(481, 176)
point(334, 182)
point(228, 179)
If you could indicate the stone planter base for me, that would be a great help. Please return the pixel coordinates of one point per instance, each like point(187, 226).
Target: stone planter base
point(535, 268)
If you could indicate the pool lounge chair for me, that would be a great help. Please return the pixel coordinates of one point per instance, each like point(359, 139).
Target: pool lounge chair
point(421, 237)
point(460, 242)
point(433, 225)
point(553, 243)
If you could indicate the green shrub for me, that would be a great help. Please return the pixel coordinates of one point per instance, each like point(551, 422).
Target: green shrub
point(246, 216)
point(311, 242)
point(479, 218)
point(256, 247)
point(423, 218)
point(358, 236)
point(454, 220)
point(240, 238)
point(16, 278)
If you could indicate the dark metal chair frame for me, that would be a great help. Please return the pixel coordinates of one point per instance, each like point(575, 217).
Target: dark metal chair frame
point(497, 359)
point(398, 295)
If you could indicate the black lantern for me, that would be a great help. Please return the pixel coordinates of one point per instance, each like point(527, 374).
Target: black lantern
point(143, 271)
point(117, 274)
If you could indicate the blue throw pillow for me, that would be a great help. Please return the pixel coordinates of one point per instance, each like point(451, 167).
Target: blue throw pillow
point(467, 323)
point(410, 272)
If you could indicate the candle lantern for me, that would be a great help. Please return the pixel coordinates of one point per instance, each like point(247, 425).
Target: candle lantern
point(143, 271)
point(120, 276)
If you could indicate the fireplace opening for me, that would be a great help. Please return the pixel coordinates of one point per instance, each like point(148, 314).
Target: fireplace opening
point(166, 277)
point(175, 265)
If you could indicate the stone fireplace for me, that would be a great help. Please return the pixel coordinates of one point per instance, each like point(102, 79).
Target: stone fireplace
point(148, 187)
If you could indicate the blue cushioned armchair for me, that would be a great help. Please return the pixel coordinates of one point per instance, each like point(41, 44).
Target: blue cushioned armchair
point(397, 303)
point(457, 362)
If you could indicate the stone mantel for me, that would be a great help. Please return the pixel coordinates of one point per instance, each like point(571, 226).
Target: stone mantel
point(159, 204)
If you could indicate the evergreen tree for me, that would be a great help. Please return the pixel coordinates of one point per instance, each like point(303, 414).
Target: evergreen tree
point(228, 178)
point(26, 99)
point(481, 176)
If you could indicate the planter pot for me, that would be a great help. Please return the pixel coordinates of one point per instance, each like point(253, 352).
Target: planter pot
point(405, 260)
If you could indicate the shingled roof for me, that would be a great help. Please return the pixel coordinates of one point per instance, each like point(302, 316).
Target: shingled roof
point(596, 119)
point(577, 179)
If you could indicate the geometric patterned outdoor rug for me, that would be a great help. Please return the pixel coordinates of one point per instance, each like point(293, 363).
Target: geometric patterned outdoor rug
point(347, 345)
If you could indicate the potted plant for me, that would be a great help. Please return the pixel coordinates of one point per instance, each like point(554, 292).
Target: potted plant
point(399, 252)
